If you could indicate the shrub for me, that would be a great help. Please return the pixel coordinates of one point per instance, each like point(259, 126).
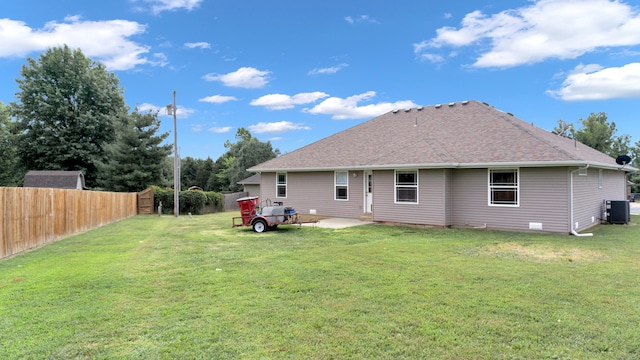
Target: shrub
point(164, 196)
point(215, 201)
point(191, 201)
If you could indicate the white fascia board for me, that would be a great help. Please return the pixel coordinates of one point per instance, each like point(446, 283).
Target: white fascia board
point(523, 164)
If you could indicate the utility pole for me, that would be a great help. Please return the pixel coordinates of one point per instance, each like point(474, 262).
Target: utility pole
point(172, 109)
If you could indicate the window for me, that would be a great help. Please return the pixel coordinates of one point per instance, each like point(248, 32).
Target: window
point(600, 179)
point(407, 187)
point(281, 185)
point(341, 185)
point(503, 187)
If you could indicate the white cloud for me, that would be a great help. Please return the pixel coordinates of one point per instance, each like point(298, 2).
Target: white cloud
point(276, 127)
point(433, 58)
point(198, 45)
point(245, 77)
point(182, 113)
point(104, 41)
point(329, 70)
point(196, 127)
point(341, 109)
point(282, 101)
point(146, 107)
point(562, 29)
point(158, 6)
point(158, 59)
point(217, 99)
point(220, 130)
point(593, 82)
point(360, 19)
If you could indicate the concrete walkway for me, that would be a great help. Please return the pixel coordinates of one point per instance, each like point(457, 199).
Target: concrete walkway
point(337, 223)
point(635, 208)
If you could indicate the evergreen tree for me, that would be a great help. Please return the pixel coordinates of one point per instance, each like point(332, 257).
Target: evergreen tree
point(10, 175)
point(206, 174)
point(188, 170)
point(68, 105)
point(197, 172)
point(137, 158)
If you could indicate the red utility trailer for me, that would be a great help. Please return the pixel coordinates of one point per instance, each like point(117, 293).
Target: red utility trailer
point(269, 216)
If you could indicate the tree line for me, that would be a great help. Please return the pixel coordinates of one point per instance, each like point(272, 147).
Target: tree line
point(71, 114)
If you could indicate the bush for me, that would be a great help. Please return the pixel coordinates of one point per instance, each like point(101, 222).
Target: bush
point(215, 201)
point(164, 196)
point(191, 201)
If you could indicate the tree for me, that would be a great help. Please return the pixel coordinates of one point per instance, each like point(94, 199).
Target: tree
point(597, 133)
point(635, 177)
point(197, 172)
point(10, 174)
point(188, 170)
point(68, 106)
point(136, 158)
point(245, 153)
point(564, 129)
point(205, 176)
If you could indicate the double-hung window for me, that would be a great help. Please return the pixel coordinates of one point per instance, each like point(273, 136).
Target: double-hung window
point(341, 179)
point(281, 185)
point(504, 187)
point(406, 184)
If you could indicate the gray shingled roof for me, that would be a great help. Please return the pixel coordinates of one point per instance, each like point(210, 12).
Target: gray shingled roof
point(461, 134)
point(53, 179)
point(251, 180)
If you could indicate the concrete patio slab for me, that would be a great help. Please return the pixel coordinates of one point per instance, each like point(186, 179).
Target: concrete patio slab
point(337, 223)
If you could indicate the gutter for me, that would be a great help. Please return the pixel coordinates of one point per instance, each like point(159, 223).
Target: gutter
point(528, 164)
point(573, 231)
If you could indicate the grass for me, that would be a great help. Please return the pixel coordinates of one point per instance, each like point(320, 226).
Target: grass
point(163, 288)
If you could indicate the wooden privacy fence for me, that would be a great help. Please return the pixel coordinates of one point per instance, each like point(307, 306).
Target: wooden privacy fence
point(230, 203)
point(32, 217)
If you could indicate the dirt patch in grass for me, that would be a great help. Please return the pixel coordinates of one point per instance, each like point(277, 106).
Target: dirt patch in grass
point(536, 252)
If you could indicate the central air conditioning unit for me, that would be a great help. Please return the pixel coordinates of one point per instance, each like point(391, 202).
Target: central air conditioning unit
point(617, 211)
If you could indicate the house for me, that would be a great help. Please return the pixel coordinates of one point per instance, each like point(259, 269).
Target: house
point(462, 164)
point(251, 185)
point(55, 179)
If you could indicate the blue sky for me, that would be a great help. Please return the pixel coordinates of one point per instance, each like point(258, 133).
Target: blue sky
point(293, 72)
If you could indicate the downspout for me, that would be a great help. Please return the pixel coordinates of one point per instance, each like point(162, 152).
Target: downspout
point(573, 231)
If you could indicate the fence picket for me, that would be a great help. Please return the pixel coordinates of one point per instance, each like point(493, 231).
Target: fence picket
point(32, 217)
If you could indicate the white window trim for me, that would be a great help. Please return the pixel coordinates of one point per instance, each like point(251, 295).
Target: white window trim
point(517, 187)
point(286, 189)
point(395, 186)
point(335, 185)
point(600, 179)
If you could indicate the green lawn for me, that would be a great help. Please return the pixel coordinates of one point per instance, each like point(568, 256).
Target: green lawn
point(163, 288)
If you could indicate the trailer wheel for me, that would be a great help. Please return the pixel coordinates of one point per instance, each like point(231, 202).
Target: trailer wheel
point(259, 226)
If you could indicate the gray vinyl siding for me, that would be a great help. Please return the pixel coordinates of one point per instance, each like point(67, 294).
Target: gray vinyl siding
point(308, 191)
point(430, 209)
point(459, 197)
point(543, 199)
point(588, 196)
point(252, 189)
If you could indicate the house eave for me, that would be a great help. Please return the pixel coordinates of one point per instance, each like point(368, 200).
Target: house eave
point(529, 164)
